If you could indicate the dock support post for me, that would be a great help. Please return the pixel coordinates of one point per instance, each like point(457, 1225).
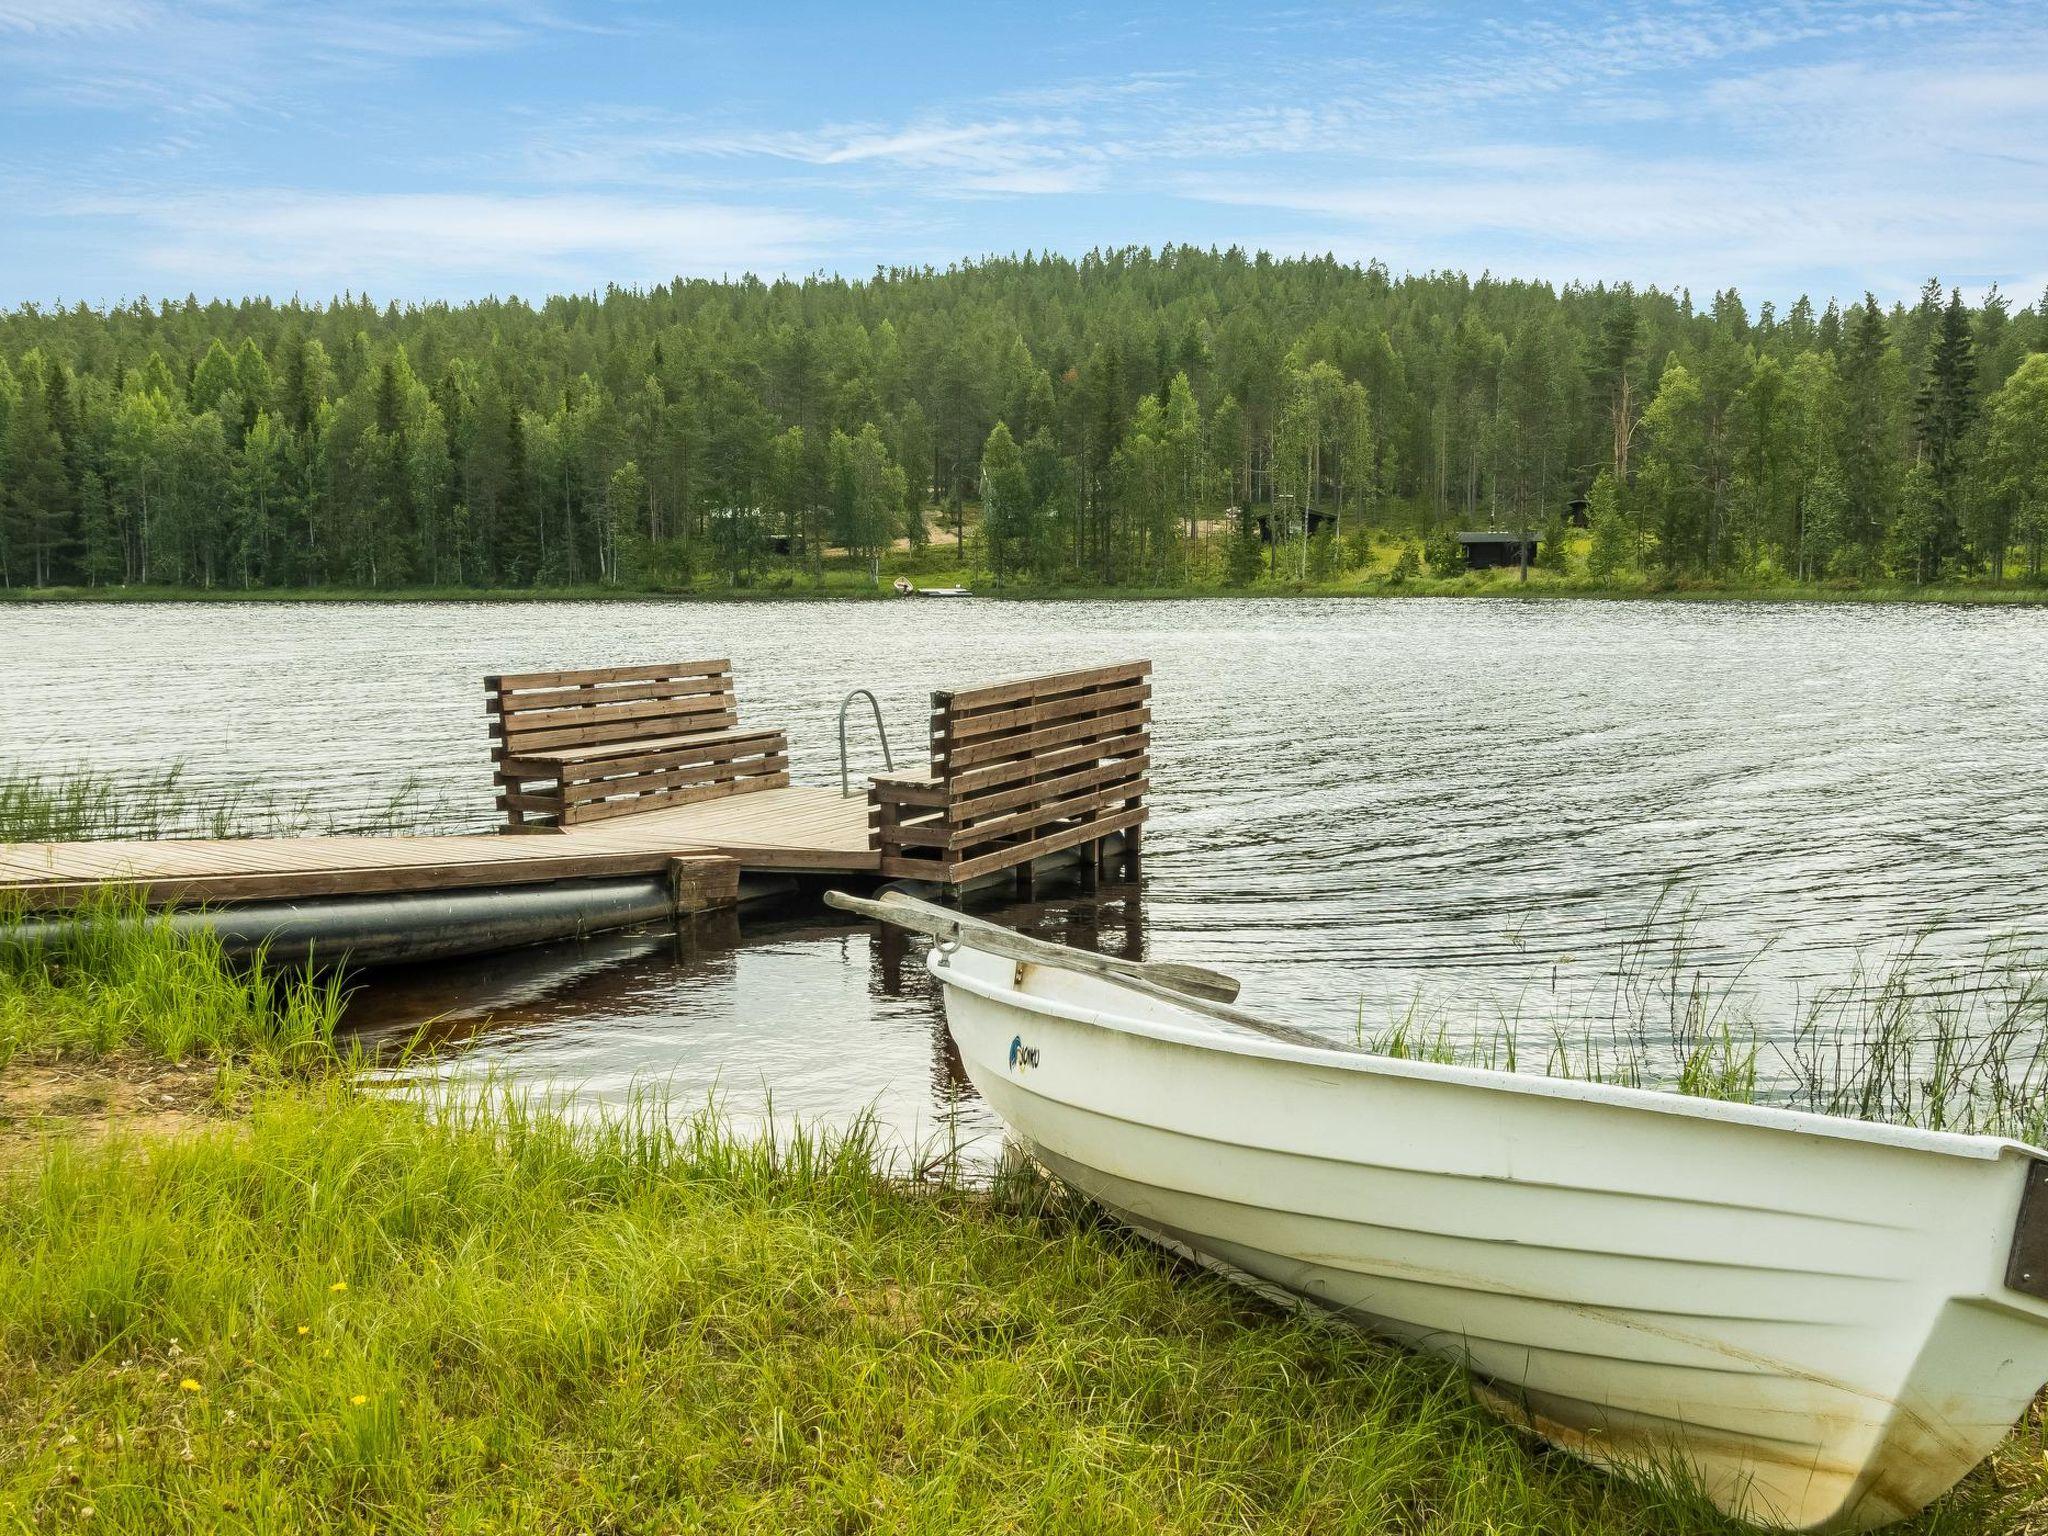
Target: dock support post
point(699, 885)
point(703, 883)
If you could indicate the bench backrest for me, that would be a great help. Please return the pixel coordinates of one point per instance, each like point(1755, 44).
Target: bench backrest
point(539, 712)
point(1020, 770)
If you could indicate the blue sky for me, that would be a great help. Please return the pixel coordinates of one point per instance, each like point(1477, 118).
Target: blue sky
point(456, 149)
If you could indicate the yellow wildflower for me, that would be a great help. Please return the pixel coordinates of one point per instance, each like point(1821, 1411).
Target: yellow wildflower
point(339, 1285)
point(188, 1385)
point(304, 1330)
point(359, 1400)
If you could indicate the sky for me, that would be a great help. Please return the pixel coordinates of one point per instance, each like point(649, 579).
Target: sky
point(452, 150)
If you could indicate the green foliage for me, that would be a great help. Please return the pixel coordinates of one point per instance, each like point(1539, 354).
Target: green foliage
point(1607, 554)
point(354, 1314)
point(351, 445)
point(120, 977)
point(2016, 469)
point(1009, 510)
point(1324, 555)
point(1408, 565)
point(1446, 556)
point(1247, 552)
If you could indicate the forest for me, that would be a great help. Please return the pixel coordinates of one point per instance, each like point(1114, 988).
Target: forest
point(1181, 418)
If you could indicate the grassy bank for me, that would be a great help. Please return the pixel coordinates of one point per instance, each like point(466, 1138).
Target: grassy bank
point(1493, 584)
point(292, 1301)
point(123, 980)
point(348, 1315)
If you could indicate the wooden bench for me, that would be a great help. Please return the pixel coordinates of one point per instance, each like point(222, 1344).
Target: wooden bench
point(1018, 771)
point(608, 741)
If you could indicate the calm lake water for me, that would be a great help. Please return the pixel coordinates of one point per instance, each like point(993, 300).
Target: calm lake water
point(1475, 810)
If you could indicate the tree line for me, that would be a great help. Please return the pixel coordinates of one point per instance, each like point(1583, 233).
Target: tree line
point(1132, 417)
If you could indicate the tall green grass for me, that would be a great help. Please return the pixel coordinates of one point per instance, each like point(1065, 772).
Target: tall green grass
point(121, 978)
point(1904, 1040)
point(80, 804)
point(352, 1314)
point(349, 1315)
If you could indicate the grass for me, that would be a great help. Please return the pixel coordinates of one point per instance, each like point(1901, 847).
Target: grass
point(1904, 1040)
point(349, 1310)
point(843, 578)
point(352, 1315)
point(122, 979)
point(81, 804)
point(347, 1314)
point(1494, 584)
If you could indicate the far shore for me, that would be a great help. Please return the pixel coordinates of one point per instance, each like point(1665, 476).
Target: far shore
point(1502, 585)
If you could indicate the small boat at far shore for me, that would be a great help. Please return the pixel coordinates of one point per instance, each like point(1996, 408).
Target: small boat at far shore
point(906, 588)
point(1820, 1322)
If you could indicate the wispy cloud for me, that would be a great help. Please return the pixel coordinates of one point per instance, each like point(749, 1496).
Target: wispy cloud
point(416, 243)
point(220, 56)
point(51, 18)
point(1824, 143)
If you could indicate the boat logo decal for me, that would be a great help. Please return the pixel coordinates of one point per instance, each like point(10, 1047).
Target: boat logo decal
point(1022, 1055)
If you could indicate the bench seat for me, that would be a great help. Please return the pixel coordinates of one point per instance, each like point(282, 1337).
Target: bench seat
point(584, 745)
point(618, 751)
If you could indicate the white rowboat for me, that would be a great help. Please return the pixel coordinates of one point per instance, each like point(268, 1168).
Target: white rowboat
point(1826, 1322)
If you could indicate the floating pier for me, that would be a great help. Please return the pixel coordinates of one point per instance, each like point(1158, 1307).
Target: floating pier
point(634, 789)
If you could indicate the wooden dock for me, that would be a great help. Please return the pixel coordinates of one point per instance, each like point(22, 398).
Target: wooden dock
point(626, 771)
point(796, 828)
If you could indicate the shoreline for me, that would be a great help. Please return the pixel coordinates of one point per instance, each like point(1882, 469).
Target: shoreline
point(1535, 591)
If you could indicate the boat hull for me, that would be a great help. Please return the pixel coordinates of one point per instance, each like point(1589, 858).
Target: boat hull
point(1808, 1316)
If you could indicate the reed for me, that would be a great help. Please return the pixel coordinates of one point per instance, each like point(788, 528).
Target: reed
point(121, 978)
point(82, 804)
point(1907, 1039)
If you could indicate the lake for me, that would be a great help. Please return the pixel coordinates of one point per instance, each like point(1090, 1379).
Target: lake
point(1458, 811)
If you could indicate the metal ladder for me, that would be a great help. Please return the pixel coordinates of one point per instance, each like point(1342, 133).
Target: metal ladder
point(888, 762)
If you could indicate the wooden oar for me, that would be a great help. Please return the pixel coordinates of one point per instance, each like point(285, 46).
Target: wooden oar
point(944, 923)
point(1192, 987)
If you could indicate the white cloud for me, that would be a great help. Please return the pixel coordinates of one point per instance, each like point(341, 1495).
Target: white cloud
point(1837, 142)
point(223, 56)
point(50, 18)
point(414, 243)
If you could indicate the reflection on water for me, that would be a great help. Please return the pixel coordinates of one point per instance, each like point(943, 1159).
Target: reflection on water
point(1488, 806)
point(806, 1016)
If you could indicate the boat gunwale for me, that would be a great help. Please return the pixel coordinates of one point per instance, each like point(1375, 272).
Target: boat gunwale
point(1213, 1037)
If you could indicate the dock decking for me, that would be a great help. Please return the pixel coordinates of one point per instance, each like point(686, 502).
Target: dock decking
point(628, 771)
point(792, 828)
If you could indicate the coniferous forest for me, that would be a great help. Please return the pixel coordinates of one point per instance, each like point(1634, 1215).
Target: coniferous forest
point(1181, 418)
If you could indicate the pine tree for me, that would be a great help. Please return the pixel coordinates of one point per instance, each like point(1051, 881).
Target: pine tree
point(1946, 409)
point(1872, 380)
point(1608, 553)
point(1007, 511)
point(37, 513)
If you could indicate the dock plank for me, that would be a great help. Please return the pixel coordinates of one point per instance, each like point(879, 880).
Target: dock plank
point(797, 827)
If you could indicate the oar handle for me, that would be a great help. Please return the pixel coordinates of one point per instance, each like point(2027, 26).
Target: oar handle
point(944, 923)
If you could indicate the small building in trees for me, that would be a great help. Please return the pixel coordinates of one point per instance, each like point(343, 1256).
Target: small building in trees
point(1488, 551)
point(1318, 520)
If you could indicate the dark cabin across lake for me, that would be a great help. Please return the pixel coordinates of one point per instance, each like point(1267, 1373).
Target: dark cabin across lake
point(1488, 551)
point(1318, 520)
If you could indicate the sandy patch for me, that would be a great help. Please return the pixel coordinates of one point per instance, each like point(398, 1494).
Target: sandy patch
point(126, 1095)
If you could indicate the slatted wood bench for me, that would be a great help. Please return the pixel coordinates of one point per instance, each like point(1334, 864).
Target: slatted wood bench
point(580, 746)
point(1018, 771)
